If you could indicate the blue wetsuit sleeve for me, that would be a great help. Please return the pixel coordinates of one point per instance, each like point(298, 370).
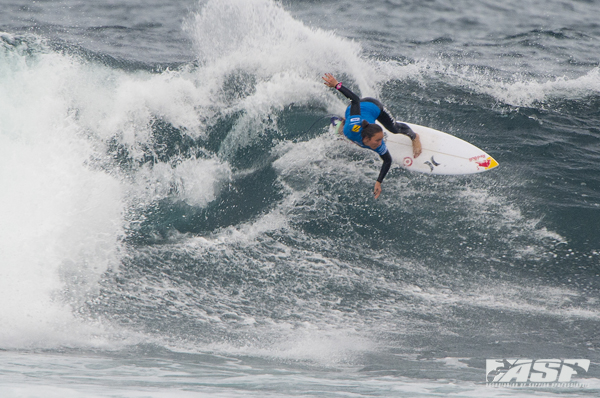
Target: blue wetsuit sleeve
point(385, 167)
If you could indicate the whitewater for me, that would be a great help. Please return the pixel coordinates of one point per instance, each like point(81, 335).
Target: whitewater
point(176, 219)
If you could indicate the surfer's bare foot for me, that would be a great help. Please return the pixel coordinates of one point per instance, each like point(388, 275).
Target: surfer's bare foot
point(416, 144)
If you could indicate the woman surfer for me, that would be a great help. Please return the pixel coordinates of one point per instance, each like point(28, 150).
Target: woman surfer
point(360, 127)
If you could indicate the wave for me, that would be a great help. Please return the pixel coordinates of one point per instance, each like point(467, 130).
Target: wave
point(89, 149)
point(190, 204)
point(61, 220)
point(517, 90)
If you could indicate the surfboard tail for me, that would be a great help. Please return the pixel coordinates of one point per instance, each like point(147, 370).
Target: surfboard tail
point(336, 123)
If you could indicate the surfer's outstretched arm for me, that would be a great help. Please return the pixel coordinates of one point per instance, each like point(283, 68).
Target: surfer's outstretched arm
point(354, 99)
point(385, 167)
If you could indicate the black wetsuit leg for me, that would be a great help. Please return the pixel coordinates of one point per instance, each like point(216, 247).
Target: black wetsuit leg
point(388, 122)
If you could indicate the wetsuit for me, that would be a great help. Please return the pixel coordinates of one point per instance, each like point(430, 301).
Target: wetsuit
point(370, 109)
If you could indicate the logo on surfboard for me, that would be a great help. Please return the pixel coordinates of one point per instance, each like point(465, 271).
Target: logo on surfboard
point(432, 164)
point(483, 162)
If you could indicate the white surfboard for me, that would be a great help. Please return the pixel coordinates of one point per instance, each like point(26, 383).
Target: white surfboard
point(442, 153)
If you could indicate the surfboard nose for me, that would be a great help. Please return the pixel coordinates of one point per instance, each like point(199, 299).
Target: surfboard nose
point(488, 163)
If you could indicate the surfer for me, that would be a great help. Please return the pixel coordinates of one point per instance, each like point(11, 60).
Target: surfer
point(363, 131)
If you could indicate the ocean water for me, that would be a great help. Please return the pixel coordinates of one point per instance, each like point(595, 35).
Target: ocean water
point(176, 219)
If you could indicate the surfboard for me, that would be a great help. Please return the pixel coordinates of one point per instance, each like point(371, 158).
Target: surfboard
point(442, 153)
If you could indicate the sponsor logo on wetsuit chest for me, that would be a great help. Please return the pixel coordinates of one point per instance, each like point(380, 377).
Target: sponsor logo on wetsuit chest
point(354, 119)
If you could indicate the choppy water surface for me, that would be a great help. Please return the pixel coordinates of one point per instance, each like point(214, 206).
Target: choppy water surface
point(172, 223)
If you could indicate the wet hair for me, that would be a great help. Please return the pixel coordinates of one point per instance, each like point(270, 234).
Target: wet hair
point(369, 129)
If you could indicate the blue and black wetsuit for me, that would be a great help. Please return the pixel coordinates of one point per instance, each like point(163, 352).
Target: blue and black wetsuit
point(370, 109)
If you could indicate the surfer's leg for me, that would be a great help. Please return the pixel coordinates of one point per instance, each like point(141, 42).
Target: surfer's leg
point(405, 129)
point(388, 121)
point(384, 116)
point(394, 127)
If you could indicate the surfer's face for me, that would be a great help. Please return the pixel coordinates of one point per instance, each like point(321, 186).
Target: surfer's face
point(375, 141)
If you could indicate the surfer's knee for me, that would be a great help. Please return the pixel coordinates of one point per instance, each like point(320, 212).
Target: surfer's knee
point(405, 129)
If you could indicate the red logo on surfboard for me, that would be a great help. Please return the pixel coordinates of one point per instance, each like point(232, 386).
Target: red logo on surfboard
point(407, 161)
point(487, 164)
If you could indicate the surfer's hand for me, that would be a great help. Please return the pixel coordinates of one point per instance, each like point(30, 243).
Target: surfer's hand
point(377, 190)
point(416, 145)
point(330, 80)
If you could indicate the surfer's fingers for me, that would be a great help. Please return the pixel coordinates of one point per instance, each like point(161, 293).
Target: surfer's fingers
point(417, 147)
point(377, 189)
point(329, 80)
